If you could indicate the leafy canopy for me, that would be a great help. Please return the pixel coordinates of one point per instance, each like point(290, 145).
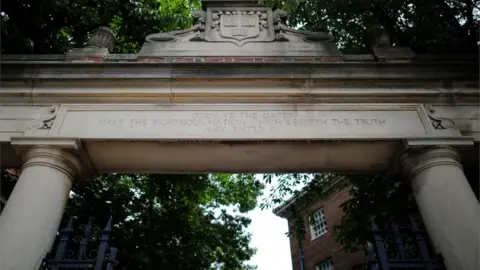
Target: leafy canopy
point(380, 196)
point(427, 26)
point(55, 26)
point(172, 221)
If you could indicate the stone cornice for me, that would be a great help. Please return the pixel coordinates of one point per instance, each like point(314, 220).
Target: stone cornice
point(134, 57)
point(422, 71)
point(48, 82)
point(53, 157)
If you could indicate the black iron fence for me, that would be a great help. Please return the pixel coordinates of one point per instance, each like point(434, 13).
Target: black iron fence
point(82, 247)
point(402, 246)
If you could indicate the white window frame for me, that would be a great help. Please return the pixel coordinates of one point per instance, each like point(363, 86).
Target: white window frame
point(319, 217)
point(325, 265)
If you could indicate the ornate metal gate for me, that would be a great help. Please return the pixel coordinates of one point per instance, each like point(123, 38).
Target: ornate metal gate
point(86, 248)
point(402, 246)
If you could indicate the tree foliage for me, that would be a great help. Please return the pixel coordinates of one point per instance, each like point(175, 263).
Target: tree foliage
point(172, 221)
point(55, 26)
point(384, 197)
point(169, 221)
point(427, 26)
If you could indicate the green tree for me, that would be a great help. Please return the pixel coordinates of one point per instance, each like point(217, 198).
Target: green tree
point(169, 221)
point(427, 26)
point(55, 26)
point(382, 196)
point(172, 221)
point(436, 27)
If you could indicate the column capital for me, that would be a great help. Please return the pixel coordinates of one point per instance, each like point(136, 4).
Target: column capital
point(65, 155)
point(416, 160)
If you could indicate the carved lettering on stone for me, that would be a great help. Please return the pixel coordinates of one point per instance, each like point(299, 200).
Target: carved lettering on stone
point(241, 124)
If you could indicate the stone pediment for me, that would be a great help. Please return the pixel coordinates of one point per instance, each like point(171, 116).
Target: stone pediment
point(239, 28)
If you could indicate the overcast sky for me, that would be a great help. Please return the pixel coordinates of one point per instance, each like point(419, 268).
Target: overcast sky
point(268, 236)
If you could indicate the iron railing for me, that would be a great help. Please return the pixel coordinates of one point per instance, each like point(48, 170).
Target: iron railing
point(402, 246)
point(87, 249)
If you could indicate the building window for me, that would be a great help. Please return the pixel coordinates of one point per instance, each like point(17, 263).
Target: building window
point(318, 224)
point(326, 265)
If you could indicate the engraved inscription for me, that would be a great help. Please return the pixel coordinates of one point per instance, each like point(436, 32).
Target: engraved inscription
point(243, 122)
point(222, 124)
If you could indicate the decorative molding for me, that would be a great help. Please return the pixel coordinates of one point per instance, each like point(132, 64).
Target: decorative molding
point(439, 122)
point(170, 36)
point(98, 47)
point(278, 17)
point(45, 122)
point(56, 158)
point(239, 25)
point(199, 26)
point(235, 26)
point(365, 71)
point(68, 150)
point(102, 37)
point(262, 15)
point(416, 160)
point(419, 143)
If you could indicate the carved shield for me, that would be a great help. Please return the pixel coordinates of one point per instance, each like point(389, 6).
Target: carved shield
point(239, 26)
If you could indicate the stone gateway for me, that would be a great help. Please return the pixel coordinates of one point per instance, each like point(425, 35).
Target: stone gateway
point(238, 92)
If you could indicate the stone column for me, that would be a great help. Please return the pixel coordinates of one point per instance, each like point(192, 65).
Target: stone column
point(30, 220)
point(447, 204)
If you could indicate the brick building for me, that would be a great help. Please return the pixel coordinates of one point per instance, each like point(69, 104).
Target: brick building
point(319, 250)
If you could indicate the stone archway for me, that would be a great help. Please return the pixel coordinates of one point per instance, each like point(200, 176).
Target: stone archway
point(200, 100)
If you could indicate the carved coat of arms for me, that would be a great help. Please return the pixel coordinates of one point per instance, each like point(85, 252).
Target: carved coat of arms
point(240, 26)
